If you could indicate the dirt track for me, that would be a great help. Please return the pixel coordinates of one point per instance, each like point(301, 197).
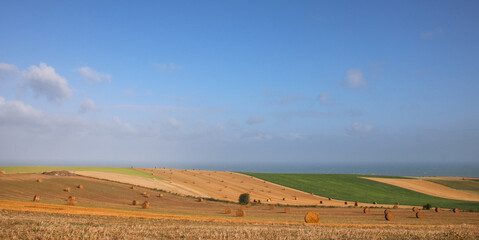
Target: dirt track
point(429, 188)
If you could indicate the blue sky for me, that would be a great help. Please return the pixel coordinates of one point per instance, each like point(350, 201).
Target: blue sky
point(219, 83)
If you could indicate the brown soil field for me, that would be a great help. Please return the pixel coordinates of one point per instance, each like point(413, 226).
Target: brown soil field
point(35, 225)
point(429, 188)
point(107, 198)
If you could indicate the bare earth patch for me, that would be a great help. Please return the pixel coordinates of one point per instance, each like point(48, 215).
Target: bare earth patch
point(429, 188)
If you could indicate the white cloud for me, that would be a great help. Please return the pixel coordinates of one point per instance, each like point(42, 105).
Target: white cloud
point(16, 112)
point(292, 98)
point(431, 33)
point(162, 67)
point(91, 75)
point(255, 119)
point(359, 129)
point(8, 68)
point(355, 79)
point(88, 105)
point(323, 99)
point(44, 81)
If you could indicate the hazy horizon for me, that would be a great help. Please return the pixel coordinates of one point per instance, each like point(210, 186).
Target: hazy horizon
point(267, 85)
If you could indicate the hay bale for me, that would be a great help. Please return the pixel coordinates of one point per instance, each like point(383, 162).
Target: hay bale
point(80, 186)
point(2, 172)
point(240, 213)
point(71, 201)
point(228, 211)
point(145, 205)
point(356, 204)
point(419, 214)
point(455, 210)
point(36, 198)
point(415, 209)
point(437, 209)
point(132, 187)
point(66, 189)
point(389, 216)
point(134, 203)
point(329, 199)
point(284, 199)
point(395, 206)
point(160, 195)
point(345, 203)
point(396, 203)
point(387, 211)
point(320, 202)
point(200, 199)
point(248, 205)
point(271, 207)
point(39, 180)
point(311, 217)
point(375, 203)
point(366, 210)
point(295, 198)
point(287, 210)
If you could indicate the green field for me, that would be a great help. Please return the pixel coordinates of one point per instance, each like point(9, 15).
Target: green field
point(354, 188)
point(127, 171)
point(463, 185)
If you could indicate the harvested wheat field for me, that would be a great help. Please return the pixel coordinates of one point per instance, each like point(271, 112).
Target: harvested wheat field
point(34, 225)
point(429, 188)
point(100, 197)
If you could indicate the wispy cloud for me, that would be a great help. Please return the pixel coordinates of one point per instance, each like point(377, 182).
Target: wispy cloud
point(93, 76)
point(323, 99)
point(431, 33)
point(168, 67)
point(254, 119)
point(8, 68)
point(359, 129)
point(87, 105)
point(354, 79)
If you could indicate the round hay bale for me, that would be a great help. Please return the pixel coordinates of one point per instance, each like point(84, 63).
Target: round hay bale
point(329, 199)
point(415, 209)
point(134, 203)
point(455, 210)
point(39, 180)
point(66, 189)
point(71, 201)
point(419, 214)
point(36, 198)
point(387, 211)
point(395, 206)
point(320, 202)
point(80, 186)
point(200, 199)
point(284, 199)
point(295, 198)
point(228, 211)
point(287, 210)
point(240, 213)
point(375, 203)
point(345, 203)
point(2, 172)
point(271, 207)
point(160, 195)
point(356, 204)
point(242, 207)
point(437, 209)
point(132, 187)
point(311, 217)
point(389, 216)
point(366, 210)
point(396, 203)
point(145, 205)
point(248, 205)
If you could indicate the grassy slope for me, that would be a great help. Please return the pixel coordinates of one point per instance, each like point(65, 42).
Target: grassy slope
point(127, 171)
point(354, 188)
point(464, 185)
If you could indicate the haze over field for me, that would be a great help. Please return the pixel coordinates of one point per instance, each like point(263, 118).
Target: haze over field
point(353, 87)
